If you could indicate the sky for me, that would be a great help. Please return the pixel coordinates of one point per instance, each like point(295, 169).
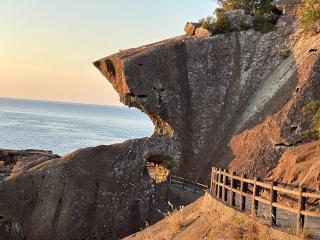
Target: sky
point(47, 46)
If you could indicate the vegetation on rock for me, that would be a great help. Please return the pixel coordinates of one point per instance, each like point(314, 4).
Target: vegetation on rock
point(312, 110)
point(264, 17)
point(218, 24)
point(309, 15)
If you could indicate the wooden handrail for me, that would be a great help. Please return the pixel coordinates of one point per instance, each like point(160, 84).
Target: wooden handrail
point(222, 182)
point(188, 185)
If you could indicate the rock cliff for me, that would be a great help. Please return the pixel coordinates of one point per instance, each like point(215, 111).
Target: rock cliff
point(94, 193)
point(231, 100)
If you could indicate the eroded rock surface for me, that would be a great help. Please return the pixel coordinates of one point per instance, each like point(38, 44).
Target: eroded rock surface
point(230, 100)
point(95, 193)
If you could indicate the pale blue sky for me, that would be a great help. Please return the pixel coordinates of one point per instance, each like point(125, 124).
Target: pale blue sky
point(46, 47)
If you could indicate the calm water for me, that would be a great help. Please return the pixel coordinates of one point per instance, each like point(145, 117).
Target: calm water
point(63, 127)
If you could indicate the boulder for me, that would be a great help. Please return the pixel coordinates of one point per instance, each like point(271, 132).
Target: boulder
point(103, 192)
point(203, 32)
point(190, 28)
point(238, 19)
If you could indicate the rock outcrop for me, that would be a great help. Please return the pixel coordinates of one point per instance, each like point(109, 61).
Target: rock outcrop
point(202, 32)
point(190, 28)
point(237, 19)
point(231, 100)
point(95, 193)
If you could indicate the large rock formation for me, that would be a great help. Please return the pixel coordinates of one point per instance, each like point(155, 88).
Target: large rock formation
point(232, 100)
point(95, 193)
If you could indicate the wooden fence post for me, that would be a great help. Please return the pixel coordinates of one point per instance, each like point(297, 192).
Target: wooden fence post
point(217, 182)
point(211, 179)
point(220, 184)
point(242, 190)
point(273, 198)
point(232, 193)
point(214, 180)
point(301, 207)
point(255, 193)
point(183, 183)
point(225, 190)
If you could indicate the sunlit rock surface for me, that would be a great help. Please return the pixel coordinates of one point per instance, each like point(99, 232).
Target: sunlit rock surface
point(229, 100)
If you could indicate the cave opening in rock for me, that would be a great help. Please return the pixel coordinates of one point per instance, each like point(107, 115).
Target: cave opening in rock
point(159, 167)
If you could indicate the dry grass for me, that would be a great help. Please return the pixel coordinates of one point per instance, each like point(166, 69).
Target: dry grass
point(235, 228)
point(176, 220)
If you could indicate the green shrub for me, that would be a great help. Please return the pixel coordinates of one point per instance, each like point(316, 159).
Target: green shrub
point(227, 5)
point(260, 9)
point(312, 110)
point(262, 13)
point(250, 6)
point(261, 24)
point(309, 15)
point(219, 24)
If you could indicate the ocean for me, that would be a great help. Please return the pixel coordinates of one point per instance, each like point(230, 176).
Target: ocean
point(64, 127)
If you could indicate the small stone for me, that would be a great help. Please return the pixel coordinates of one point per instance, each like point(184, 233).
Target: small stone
point(202, 32)
point(190, 28)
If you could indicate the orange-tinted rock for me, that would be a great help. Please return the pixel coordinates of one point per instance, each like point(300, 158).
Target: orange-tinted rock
point(190, 28)
point(202, 32)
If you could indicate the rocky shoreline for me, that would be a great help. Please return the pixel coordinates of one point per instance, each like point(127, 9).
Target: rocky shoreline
point(14, 162)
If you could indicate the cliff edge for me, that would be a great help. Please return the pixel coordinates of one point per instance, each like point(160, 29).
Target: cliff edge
point(232, 100)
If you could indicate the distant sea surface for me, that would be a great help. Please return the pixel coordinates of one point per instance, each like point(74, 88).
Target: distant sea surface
point(64, 127)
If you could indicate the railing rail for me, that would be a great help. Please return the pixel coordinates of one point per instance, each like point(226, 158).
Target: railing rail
point(226, 185)
point(187, 185)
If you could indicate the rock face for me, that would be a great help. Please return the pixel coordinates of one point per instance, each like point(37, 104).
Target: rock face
point(227, 100)
point(230, 100)
point(237, 19)
point(202, 32)
point(95, 193)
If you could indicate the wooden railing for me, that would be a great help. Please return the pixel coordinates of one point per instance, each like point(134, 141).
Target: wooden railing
point(187, 184)
point(225, 186)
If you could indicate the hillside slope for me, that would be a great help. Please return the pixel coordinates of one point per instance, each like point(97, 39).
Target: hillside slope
point(208, 219)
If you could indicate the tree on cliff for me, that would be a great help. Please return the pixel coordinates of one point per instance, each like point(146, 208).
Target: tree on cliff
point(250, 6)
point(264, 16)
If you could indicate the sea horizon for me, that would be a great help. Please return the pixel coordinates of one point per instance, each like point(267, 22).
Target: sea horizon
point(63, 127)
point(64, 102)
